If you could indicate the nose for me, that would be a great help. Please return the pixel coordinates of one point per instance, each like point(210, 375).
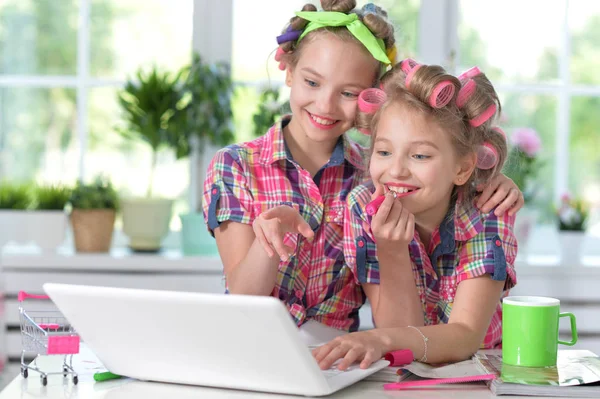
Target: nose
point(326, 102)
point(399, 168)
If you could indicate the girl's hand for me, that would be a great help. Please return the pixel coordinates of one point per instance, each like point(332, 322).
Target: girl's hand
point(365, 347)
point(270, 227)
point(393, 226)
point(502, 192)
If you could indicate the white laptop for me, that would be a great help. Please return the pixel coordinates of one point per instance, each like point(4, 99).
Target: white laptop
point(226, 341)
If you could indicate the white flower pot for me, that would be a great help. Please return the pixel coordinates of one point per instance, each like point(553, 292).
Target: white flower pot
point(525, 222)
point(47, 229)
point(146, 222)
point(571, 244)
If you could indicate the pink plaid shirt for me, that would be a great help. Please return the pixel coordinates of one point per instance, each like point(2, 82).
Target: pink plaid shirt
point(246, 179)
point(468, 244)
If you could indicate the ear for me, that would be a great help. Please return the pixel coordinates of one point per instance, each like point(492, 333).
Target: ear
point(288, 76)
point(465, 169)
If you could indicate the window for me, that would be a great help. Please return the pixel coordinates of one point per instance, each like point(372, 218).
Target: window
point(61, 65)
point(547, 80)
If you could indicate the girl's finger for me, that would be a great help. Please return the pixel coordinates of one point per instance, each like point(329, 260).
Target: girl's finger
point(496, 199)
point(487, 193)
point(323, 350)
point(402, 222)
point(395, 212)
point(520, 203)
point(351, 356)
point(368, 359)
point(260, 236)
point(304, 228)
point(508, 202)
point(384, 210)
point(336, 353)
point(275, 237)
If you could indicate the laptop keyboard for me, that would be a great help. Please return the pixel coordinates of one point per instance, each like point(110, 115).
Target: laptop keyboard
point(333, 370)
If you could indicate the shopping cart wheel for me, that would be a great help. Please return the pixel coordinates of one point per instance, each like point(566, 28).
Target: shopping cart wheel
point(65, 371)
point(75, 380)
point(44, 380)
point(24, 372)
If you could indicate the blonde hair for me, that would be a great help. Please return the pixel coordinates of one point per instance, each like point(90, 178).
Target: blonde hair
point(376, 22)
point(456, 121)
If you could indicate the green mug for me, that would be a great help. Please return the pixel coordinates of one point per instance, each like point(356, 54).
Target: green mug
point(530, 330)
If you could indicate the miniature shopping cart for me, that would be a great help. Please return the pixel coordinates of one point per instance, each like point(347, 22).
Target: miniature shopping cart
point(46, 333)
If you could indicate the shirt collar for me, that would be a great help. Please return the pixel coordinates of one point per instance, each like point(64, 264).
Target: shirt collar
point(460, 224)
point(274, 148)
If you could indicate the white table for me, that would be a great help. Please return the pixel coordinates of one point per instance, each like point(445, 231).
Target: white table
point(86, 364)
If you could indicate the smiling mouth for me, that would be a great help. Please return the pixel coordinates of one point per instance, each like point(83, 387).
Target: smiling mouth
point(322, 123)
point(401, 191)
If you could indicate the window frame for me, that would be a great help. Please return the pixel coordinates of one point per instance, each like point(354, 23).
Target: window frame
point(439, 43)
point(212, 38)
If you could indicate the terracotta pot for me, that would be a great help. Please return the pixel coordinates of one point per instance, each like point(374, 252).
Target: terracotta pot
point(93, 229)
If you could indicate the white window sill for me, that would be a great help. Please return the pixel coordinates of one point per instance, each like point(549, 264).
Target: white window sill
point(541, 257)
point(118, 259)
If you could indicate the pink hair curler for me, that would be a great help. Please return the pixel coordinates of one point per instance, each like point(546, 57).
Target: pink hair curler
point(279, 53)
point(469, 73)
point(442, 94)
point(410, 75)
point(484, 116)
point(487, 156)
point(465, 92)
point(370, 100)
point(278, 56)
point(408, 64)
point(499, 131)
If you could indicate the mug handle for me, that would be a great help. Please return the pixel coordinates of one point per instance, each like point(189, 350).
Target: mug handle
point(573, 329)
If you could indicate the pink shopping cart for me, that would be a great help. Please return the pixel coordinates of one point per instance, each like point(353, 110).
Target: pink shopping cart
point(46, 333)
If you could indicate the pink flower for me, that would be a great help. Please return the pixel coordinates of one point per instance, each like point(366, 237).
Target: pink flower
point(565, 198)
point(527, 140)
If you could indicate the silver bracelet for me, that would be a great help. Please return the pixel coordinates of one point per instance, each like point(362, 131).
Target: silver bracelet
point(425, 339)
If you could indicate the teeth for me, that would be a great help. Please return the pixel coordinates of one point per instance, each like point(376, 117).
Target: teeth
point(322, 121)
point(400, 190)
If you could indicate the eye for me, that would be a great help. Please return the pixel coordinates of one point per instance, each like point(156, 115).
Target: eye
point(421, 157)
point(311, 83)
point(383, 153)
point(349, 94)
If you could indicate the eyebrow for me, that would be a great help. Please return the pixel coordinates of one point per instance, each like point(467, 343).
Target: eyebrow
point(414, 143)
point(312, 71)
point(425, 142)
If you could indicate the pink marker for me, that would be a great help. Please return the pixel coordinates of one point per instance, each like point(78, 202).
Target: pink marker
point(373, 206)
point(399, 358)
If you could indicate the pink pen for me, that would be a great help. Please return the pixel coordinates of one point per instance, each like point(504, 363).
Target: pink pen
point(374, 205)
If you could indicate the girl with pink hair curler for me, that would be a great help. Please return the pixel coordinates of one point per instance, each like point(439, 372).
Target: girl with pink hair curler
point(275, 204)
point(433, 266)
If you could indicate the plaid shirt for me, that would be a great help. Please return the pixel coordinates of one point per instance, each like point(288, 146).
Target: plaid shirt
point(246, 179)
point(468, 244)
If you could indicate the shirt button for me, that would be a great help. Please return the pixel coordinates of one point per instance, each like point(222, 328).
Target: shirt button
point(361, 244)
point(299, 294)
point(498, 243)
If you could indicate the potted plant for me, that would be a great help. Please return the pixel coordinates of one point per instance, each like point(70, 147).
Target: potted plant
point(15, 199)
point(48, 221)
point(93, 211)
point(571, 216)
point(205, 118)
point(522, 166)
point(151, 105)
point(270, 108)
